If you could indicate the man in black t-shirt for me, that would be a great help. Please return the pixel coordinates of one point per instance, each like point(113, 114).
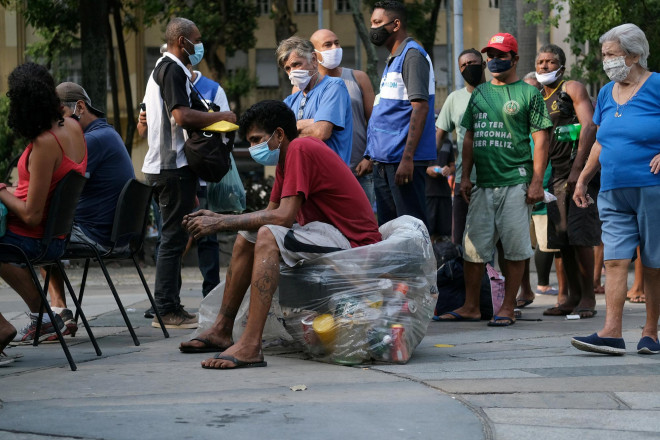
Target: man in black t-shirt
point(438, 192)
point(169, 111)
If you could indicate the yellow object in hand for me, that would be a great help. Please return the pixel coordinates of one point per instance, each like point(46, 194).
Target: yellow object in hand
point(221, 127)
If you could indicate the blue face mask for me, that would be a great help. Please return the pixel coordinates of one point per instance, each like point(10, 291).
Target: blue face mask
point(264, 155)
point(497, 65)
point(195, 58)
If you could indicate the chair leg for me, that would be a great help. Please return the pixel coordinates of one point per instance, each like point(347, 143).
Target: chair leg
point(151, 298)
point(79, 309)
point(119, 304)
point(82, 286)
point(51, 315)
point(37, 331)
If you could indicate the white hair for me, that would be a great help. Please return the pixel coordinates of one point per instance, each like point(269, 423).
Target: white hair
point(631, 39)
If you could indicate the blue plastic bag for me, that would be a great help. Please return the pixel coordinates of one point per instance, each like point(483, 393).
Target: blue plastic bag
point(228, 195)
point(3, 219)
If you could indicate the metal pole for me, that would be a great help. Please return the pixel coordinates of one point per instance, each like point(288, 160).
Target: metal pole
point(358, 48)
point(450, 61)
point(458, 40)
point(319, 10)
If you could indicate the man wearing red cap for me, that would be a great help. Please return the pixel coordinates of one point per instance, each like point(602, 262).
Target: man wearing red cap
point(499, 119)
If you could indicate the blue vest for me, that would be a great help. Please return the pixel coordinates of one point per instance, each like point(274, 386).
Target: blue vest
point(207, 87)
point(388, 127)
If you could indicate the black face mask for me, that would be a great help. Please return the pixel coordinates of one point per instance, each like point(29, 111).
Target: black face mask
point(379, 35)
point(473, 73)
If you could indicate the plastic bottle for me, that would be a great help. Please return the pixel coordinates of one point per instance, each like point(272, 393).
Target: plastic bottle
point(3, 218)
point(568, 133)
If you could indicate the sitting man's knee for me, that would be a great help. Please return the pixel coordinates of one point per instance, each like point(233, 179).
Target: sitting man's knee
point(242, 245)
point(265, 238)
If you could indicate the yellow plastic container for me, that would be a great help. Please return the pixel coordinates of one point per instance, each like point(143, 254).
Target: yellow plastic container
point(324, 327)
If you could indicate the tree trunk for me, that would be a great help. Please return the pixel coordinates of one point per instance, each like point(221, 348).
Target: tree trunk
point(284, 28)
point(123, 61)
point(94, 50)
point(214, 62)
point(526, 40)
point(508, 17)
point(543, 28)
point(372, 56)
point(114, 92)
point(433, 26)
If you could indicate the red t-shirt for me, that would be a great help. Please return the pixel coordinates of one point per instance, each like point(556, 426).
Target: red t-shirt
point(330, 191)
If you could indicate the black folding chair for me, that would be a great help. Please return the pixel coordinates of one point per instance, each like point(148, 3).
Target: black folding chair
point(10, 168)
point(127, 238)
point(59, 222)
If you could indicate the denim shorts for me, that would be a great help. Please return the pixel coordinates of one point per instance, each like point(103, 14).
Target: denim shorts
point(33, 246)
point(630, 218)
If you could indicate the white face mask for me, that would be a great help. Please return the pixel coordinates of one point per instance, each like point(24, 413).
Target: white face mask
point(331, 58)
point(300, 78)
point(548, 78)
point(616, 68)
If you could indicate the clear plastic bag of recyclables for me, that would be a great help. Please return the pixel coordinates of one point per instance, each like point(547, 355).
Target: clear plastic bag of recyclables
point(367, 303)
point(371, 303)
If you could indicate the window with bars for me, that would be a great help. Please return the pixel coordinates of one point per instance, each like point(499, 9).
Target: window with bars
point(305, 7)
point(494, 4)
point(267, 68)
point(342, 6)
point(263, 7)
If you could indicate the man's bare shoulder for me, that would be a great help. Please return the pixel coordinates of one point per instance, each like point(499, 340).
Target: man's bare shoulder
point(576, 89)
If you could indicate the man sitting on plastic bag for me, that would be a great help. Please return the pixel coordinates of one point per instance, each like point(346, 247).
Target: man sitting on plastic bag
point(316, 206)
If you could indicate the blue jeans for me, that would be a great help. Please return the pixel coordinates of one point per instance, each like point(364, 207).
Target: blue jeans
point(367, 184)
point(393, 200)
point(33, 246)
point(208, 252)
point(174, 191)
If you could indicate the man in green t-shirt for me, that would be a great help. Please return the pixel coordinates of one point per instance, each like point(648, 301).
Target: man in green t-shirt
point(498, 120)
point(472, 67)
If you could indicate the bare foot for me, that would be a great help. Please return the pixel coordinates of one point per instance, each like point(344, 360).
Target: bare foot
point(207, 340)
point(636, 296)
point(526, 297)
point(238, 351)
point(598, 288)
point(461, 314)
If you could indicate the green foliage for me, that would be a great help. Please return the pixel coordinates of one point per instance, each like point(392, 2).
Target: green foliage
point(239, 83)
point(10, 144)
point(589, 20)
point(56, 23)
point(227, 23)
point(418, 21)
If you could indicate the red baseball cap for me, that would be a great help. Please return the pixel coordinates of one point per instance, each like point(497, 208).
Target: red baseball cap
point(502, 41)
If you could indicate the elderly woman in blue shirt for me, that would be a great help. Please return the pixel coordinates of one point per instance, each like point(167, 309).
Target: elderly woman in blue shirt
point(627, 150)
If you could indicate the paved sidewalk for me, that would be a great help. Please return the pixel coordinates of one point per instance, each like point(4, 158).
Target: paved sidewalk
point(465, 381)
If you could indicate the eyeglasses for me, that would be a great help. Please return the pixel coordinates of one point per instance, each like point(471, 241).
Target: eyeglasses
point(301, 108)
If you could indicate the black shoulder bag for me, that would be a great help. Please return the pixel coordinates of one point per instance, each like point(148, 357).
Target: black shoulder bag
point(208, 155)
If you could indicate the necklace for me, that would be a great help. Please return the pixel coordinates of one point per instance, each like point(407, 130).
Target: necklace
point(620, 107)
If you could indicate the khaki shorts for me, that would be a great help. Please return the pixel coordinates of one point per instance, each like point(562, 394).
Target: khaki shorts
point(314, 234)
point(494, 214)
point(538, 231)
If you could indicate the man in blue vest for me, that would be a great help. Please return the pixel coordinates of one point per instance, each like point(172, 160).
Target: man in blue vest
point(401, 131)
